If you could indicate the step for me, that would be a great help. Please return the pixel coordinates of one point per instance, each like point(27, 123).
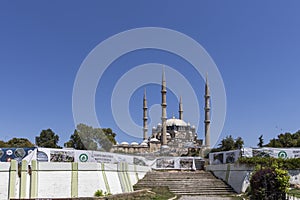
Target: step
point(186, 183)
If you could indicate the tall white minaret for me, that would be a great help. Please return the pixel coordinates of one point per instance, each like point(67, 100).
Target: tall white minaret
point(164, 109)
point(145, 118)
point(180, 109)
point(207, 114)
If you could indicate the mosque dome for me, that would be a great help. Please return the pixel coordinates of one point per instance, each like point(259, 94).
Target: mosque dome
point(124, 143)
point(144, 144)
point(134, 143)
point(177, 122)
point(145, 141)
point(154, 140)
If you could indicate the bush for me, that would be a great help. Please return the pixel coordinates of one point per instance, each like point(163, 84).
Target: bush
point(269, 184)
point(288, 164)
point(99, 193)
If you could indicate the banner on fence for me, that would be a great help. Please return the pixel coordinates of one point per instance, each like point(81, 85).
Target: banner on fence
point(277, 152)
point(8, 154)
point(224, 157)
point(72, 155)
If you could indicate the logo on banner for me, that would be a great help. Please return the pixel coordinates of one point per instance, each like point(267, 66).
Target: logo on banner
point(83, 157)
point(282, 154)
point(9, 152)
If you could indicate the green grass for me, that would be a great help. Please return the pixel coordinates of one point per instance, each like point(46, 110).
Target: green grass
point(294, 192)
point(162, 193)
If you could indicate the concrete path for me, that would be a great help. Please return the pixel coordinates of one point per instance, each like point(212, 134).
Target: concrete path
point(204, 198)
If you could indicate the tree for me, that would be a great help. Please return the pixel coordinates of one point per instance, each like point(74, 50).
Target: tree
point(110, 135)
point(229, 143)
point(47, 139)
point(285, 140)
point(260, 141)
point(75, 142)
point(19, 142)
point(96, 138)
point(239, 143)
point(2, 144)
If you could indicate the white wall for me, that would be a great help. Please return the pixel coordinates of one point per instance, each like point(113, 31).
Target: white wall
point(237, 176)
point(65, 180)
point(54, 180)
point(4, 180)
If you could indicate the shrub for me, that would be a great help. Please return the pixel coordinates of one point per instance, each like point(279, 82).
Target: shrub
point(99, 193)
point(288, 164)
point(269, 184)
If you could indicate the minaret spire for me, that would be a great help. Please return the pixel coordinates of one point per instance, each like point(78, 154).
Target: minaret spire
point(207, 113)
point(145, 118)
point(180, 109)
point(164, 109)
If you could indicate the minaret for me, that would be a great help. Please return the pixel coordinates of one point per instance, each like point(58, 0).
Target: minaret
point(164, 109)
point(145, 118)
point(207, 114)
point(180, 109)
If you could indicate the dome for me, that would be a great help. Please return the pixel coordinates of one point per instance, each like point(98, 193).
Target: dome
point(154, 140)
point(124, 143)
point(144, 144)
point(145, 141)
point(134, 143)
point(176, 122)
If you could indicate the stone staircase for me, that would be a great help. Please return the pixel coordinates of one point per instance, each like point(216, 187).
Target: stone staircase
point(186, 183)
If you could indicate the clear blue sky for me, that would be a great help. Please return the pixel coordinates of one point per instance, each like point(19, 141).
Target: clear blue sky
point(255, 44)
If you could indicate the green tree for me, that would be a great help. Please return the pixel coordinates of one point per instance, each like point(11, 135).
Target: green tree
point(110, 135)
point(19, 142)
point(75, 142)
point(260, 141)
point(239, 143)
point(285, 140)
point(47, 139)
point(96, 138)
point(2, 144)
point(227, 143)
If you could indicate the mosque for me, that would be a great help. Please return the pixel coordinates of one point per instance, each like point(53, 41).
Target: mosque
point(173, 137)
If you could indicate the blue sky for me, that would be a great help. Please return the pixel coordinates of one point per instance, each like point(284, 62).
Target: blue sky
point(255, 46)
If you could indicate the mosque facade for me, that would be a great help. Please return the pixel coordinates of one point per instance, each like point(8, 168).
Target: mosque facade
point(173, 136)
